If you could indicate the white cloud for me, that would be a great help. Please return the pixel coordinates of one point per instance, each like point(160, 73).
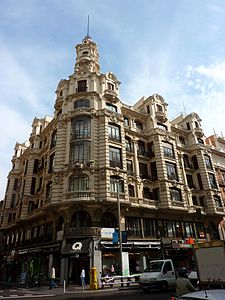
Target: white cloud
point(14, 128)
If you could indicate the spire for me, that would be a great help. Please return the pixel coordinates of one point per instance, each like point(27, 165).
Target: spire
point(88, 36)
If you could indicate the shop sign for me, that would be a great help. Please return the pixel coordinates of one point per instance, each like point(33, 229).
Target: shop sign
point(107, 233)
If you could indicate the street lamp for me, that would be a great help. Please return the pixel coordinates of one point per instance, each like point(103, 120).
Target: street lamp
point(119, 226)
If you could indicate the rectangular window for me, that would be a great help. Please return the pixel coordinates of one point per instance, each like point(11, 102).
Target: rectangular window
point(33, 184)
point(110, 86)
point(131, 190)
point(150, 148)
point(114, 133)
point(129, 167)
point(171, 171)
point(154, 174)
point(159, 107)
point(175, 195)
point(133, 226)
point(195, 162)
point(36, 165)
point(116, 185)
point(141, 148)
point(129, 144)
point(195, 200)
point(138, 125)
point(188, 229)
point(202, 201)
point(115, 158)
point(147, 193)
point(190, 181)
point(186, 161)
point(200, 230)
point(218, 201)
point(168, 149)
point(13, 201)
point(126, 121)
point(82, 86)
point(51, 163)
point(16, 184)
point(212, 181)
point(49, 190)
point(53, 139)
point(143, 170)
point(156, 194)
point(149, 227)
point(80, 151)
point(200, 181)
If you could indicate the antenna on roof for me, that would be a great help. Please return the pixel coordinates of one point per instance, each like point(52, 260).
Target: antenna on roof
point(184, 107)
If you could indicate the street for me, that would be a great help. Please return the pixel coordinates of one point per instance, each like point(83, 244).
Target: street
point(110, 294)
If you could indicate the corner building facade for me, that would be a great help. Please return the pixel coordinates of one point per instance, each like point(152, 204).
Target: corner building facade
point(98, 155)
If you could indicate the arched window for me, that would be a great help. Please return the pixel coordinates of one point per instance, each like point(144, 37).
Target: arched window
point(82, 103)
point(108, 220)
point(81, 219)
point(78, 183)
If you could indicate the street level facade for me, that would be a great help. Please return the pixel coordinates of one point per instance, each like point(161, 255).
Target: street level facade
point(100, 166)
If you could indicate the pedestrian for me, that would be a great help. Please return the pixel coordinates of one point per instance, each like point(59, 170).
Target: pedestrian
point(184, 285)
point(82, 277)
point(52, 283)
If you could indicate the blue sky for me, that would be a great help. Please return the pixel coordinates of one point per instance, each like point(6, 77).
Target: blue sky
point(175, 48)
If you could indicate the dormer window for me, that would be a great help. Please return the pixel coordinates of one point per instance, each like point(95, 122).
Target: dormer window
point(110, 86)
point(159, 107)
point(85, 52)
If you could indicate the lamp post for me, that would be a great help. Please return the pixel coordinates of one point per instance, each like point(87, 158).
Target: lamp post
point(119, 227)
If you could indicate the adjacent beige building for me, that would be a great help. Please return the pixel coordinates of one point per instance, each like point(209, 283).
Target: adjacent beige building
point(99, 165)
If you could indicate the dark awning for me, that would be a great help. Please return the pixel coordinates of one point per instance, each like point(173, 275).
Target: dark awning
point(76, 247)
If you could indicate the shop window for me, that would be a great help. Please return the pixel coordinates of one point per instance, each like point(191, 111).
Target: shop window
point(149, 227)
point(133, 226)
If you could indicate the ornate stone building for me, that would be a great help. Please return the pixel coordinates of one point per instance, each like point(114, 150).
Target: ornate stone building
point(100, 165)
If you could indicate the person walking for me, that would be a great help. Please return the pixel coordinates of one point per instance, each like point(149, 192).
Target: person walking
point(82, 277)
point(52, 283)
point(184, 285)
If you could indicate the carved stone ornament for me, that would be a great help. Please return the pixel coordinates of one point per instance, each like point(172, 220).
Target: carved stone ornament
point(102, 174)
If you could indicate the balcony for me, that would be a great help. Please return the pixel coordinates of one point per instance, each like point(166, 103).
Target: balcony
point(161, 116)
point(199, 132)
point(112, 95)
point(81, 196)
point(58, 102)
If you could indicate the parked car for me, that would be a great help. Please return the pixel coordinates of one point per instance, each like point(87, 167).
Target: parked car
point(202, 295)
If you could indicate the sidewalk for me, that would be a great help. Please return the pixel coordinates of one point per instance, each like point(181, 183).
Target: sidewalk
point(75, 289)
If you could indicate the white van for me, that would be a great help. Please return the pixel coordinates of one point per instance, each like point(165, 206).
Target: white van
point(158, 274)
